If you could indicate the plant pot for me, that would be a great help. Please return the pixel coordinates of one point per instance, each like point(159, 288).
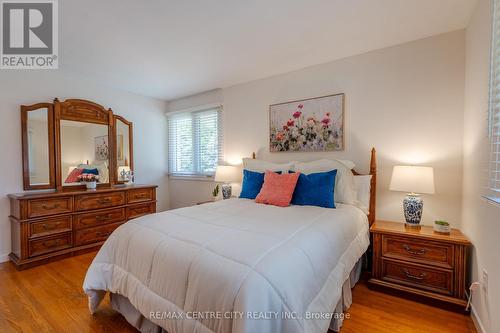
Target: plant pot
point(91, 185)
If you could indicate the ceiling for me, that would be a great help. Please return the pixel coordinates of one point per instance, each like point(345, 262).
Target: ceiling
point(173, 48)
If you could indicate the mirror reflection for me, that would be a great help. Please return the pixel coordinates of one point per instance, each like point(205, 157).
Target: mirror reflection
point(84, 150)
point(123, 150)
point(38, 146)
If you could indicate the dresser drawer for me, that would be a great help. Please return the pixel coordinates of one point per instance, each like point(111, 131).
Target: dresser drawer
point(140, 195)
point(95, 234)
point(50, 244)
point(50, 226)
point(49, 206)
point(96, 201)
point(435, 280)
point(108, 216)
point(140, 210)
point(419, 251)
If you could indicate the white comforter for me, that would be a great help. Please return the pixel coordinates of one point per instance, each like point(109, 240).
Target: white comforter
point(232, 266)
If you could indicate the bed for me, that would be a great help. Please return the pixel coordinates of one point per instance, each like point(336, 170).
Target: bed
point(233, 266)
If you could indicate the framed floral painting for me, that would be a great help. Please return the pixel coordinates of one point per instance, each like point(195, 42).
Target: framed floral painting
point(101, 148)
point(314, 124)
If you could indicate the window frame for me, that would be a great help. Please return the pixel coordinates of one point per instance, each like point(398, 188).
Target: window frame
point(493, 193)
point(196, 174)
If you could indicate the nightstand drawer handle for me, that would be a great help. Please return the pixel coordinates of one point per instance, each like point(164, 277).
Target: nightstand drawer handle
point(414, 252)
point(421, 276)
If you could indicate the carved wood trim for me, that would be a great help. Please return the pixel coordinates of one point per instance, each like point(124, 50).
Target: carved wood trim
point(85, 111)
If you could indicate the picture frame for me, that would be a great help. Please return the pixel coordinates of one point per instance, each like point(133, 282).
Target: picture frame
point(308, 125)
point(101, 148)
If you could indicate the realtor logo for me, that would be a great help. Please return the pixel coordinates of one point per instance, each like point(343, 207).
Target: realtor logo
point(29, 34)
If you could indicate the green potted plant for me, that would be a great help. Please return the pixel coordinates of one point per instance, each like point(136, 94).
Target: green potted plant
point(215, 192)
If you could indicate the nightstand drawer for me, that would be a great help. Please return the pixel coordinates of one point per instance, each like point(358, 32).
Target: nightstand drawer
point(435, 280)
point(419, 251)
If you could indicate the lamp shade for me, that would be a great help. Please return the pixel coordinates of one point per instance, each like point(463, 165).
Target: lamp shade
point(412, 179)
point(226, 174)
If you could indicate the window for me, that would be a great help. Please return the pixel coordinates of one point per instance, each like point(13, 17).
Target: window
point(494, 110)
point(195, 142)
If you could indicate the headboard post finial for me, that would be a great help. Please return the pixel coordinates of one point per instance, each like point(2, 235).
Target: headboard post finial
point(254, 156)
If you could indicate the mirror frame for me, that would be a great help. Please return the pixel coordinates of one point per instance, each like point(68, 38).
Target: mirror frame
point(87, 112)
point(25, 149)
point(130, 144)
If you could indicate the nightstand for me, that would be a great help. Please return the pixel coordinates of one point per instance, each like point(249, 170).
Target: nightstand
point(420, 261)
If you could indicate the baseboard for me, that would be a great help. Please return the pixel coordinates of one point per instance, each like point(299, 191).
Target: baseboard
point(476, 320)
point(4, 258)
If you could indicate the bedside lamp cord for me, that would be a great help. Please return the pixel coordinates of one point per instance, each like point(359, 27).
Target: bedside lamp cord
point(473, 287)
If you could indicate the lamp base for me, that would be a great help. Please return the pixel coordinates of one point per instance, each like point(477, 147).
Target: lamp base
point(413, 206)
point(226, 191)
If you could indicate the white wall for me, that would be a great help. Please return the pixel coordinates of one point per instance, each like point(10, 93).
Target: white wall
point(28, 87)
point(481, 220)
point(406, 101)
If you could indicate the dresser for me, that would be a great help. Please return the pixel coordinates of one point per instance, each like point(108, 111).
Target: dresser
point(48, 225)
point(420, 261)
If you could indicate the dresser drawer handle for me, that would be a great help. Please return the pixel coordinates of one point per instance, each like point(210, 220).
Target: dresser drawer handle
point(414, 252)
point(50, 207)
point(102, 234)
point(101, 218)
point(104, 200)
point(46, 226)
point(419, 277)
point(51, 243)
point(139, 196)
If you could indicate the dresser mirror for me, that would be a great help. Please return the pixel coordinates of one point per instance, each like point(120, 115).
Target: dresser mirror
point(84, 147)
point(124, 142)
point(38, 146)
point(63, 140)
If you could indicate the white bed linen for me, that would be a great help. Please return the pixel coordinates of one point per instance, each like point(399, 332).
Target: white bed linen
point(232, 256)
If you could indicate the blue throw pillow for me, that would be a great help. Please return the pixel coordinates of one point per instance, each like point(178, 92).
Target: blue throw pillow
point(315, 189)
point(91, 171)
point(252, 183)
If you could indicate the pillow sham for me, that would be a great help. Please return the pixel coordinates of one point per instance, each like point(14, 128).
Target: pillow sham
point(363, 185)
point(73, 175)
point(91, 171)
point(277, 189)
point(252, 183)
point(345, 191)
point(263, 166)
point(315, 189)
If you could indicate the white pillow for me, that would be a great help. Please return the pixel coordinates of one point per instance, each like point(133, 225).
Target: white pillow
point(261, 166)
point(345, 191)
point(363, 185)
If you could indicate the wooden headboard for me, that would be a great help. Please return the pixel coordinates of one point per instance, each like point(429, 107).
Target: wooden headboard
point(373, 184)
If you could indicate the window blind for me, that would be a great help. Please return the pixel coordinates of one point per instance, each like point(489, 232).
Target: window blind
point(195, 142)
point(494, 109)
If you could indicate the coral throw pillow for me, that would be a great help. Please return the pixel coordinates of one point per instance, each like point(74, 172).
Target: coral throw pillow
point(73, 176)
point(277, 189)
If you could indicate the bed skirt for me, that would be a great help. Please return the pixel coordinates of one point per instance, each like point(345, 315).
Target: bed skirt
point(135, 318)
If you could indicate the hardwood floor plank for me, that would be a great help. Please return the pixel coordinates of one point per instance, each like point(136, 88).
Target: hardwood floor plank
point(50, 298)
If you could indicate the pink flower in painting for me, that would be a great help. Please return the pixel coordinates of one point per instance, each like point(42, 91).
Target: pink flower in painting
point(290, 123)
point(279, 136)
point(328, 114)
point(300, 106)
point(285, 128)
point(297, 114)
point(326, 121)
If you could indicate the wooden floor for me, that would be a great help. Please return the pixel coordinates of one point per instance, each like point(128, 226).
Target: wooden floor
point(49, 298)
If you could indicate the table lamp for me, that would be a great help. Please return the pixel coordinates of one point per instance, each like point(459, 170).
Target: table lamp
point(413, 180)
point(226, 174)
